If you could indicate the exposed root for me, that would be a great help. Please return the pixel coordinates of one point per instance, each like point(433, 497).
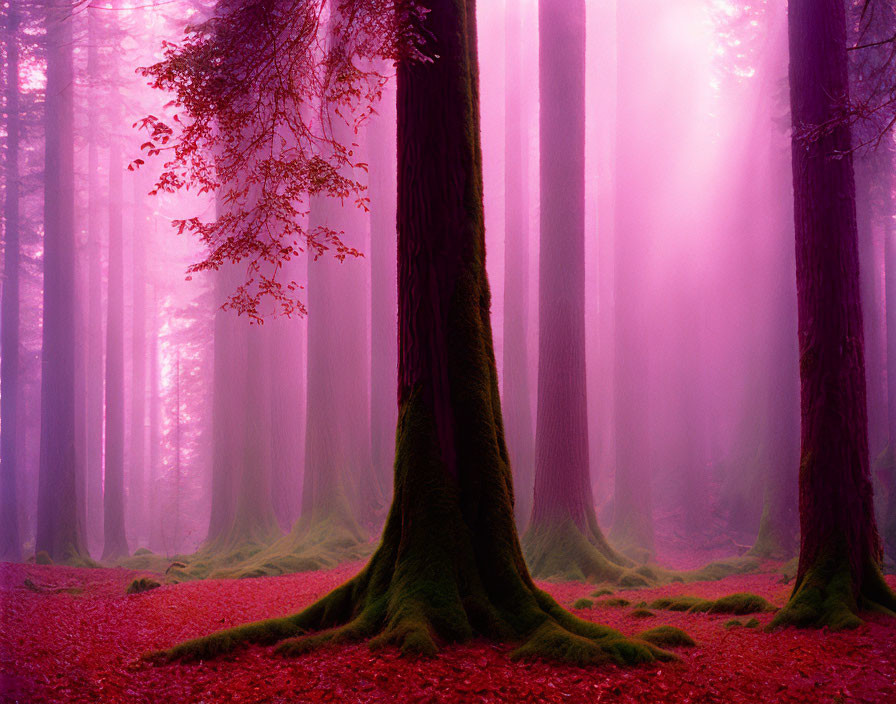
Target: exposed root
point(827, 597)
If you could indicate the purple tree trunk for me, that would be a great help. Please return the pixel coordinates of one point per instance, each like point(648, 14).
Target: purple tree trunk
point(839, 565)
point(58, 530)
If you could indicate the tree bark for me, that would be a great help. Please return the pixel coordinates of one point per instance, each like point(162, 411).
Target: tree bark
point(840, 552)
point(137, 452)
point(59, 532)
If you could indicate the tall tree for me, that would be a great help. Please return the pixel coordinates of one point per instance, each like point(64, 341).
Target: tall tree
point(59, 532)
point(563, 537)
point(115, 542)
point(840, 552)
point(94, 342)
point(449, 565)
point(137, 447)
point(516, 390)
point(383, 289)
point(633, 504)
point(10, 540)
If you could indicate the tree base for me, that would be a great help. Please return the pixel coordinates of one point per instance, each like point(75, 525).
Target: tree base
point(417, 611)
point(828, 597)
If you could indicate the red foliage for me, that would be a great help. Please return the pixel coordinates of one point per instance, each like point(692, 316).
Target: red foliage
point(57, 646)
point(257, 88)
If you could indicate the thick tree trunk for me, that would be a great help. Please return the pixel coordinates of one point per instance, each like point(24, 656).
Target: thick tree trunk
point(10, 538)
point(383, 291)
point(95, 340)
point(449, 565)
point(517, 398)
point(633, 502)
point(115, 543)
point(840, 552)
point(58, 530)
point(563, 536)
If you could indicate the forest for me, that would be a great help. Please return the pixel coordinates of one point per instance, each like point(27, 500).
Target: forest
point(448, 351)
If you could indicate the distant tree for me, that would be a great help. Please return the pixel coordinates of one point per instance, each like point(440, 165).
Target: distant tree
point(449, 565)
point(516, 391)
point(59, 532)
point(10, 536)
point(563, 537)
point(840, 552)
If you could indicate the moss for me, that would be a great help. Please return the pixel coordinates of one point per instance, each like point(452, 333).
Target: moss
point(615, 603)
point(142, 584)
point(601, 592)
point(752, 623)
point(830, 596)
point(43, 558)
point(667, 636)
point(733, 623)
point(741, 604)
point(583, 604)
point(142, 551)
point(642, 613)
point(738, 604)
point(565, 551)
point(681, 603)
point(721, 569)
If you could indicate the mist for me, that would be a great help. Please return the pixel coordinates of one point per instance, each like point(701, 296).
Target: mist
point(224, 355)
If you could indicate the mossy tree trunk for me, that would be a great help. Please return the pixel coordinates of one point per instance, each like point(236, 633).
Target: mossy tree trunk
point(633, 502)
point(563, 537)
point(840, 552)
point(59, 532)
point(449, 565)
point(516, 387)
point(10, 537)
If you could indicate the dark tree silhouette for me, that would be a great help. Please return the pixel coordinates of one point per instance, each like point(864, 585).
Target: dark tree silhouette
point(840, 552)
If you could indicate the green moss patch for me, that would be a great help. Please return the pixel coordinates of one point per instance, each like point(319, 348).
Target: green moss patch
point(641, 613)
point(667, 636)
point(583, 604)
point(142, 584)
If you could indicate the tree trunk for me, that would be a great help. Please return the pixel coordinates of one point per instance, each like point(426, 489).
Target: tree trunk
point(383, 291)
point(563, 538)
point(516, 395)
point(94, 411)
point(633, 502)
point(10, 539)
point(58, 529)
point(115, 542)
point(137, 453)
point(156, 514)
point(449, 565)
point(840, 552)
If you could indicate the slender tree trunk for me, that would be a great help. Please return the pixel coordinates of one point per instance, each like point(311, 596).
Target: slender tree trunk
point(115, 543)
point(10, 540)
point(228, 409)
point(155, 437)
point(840, 552)
point(58, 531)
point(449, 565)
point(516, 390)
point(95, 340)
point(137, 453)
point(633, 503)
point(383, 290)
point(563, 536)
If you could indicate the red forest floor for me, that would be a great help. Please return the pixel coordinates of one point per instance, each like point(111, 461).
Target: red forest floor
point(73, 635)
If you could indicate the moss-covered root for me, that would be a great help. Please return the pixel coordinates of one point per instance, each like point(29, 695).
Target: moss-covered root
point(737, 604)
point(667, 636)
point(565, 552)
point(828, 596)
